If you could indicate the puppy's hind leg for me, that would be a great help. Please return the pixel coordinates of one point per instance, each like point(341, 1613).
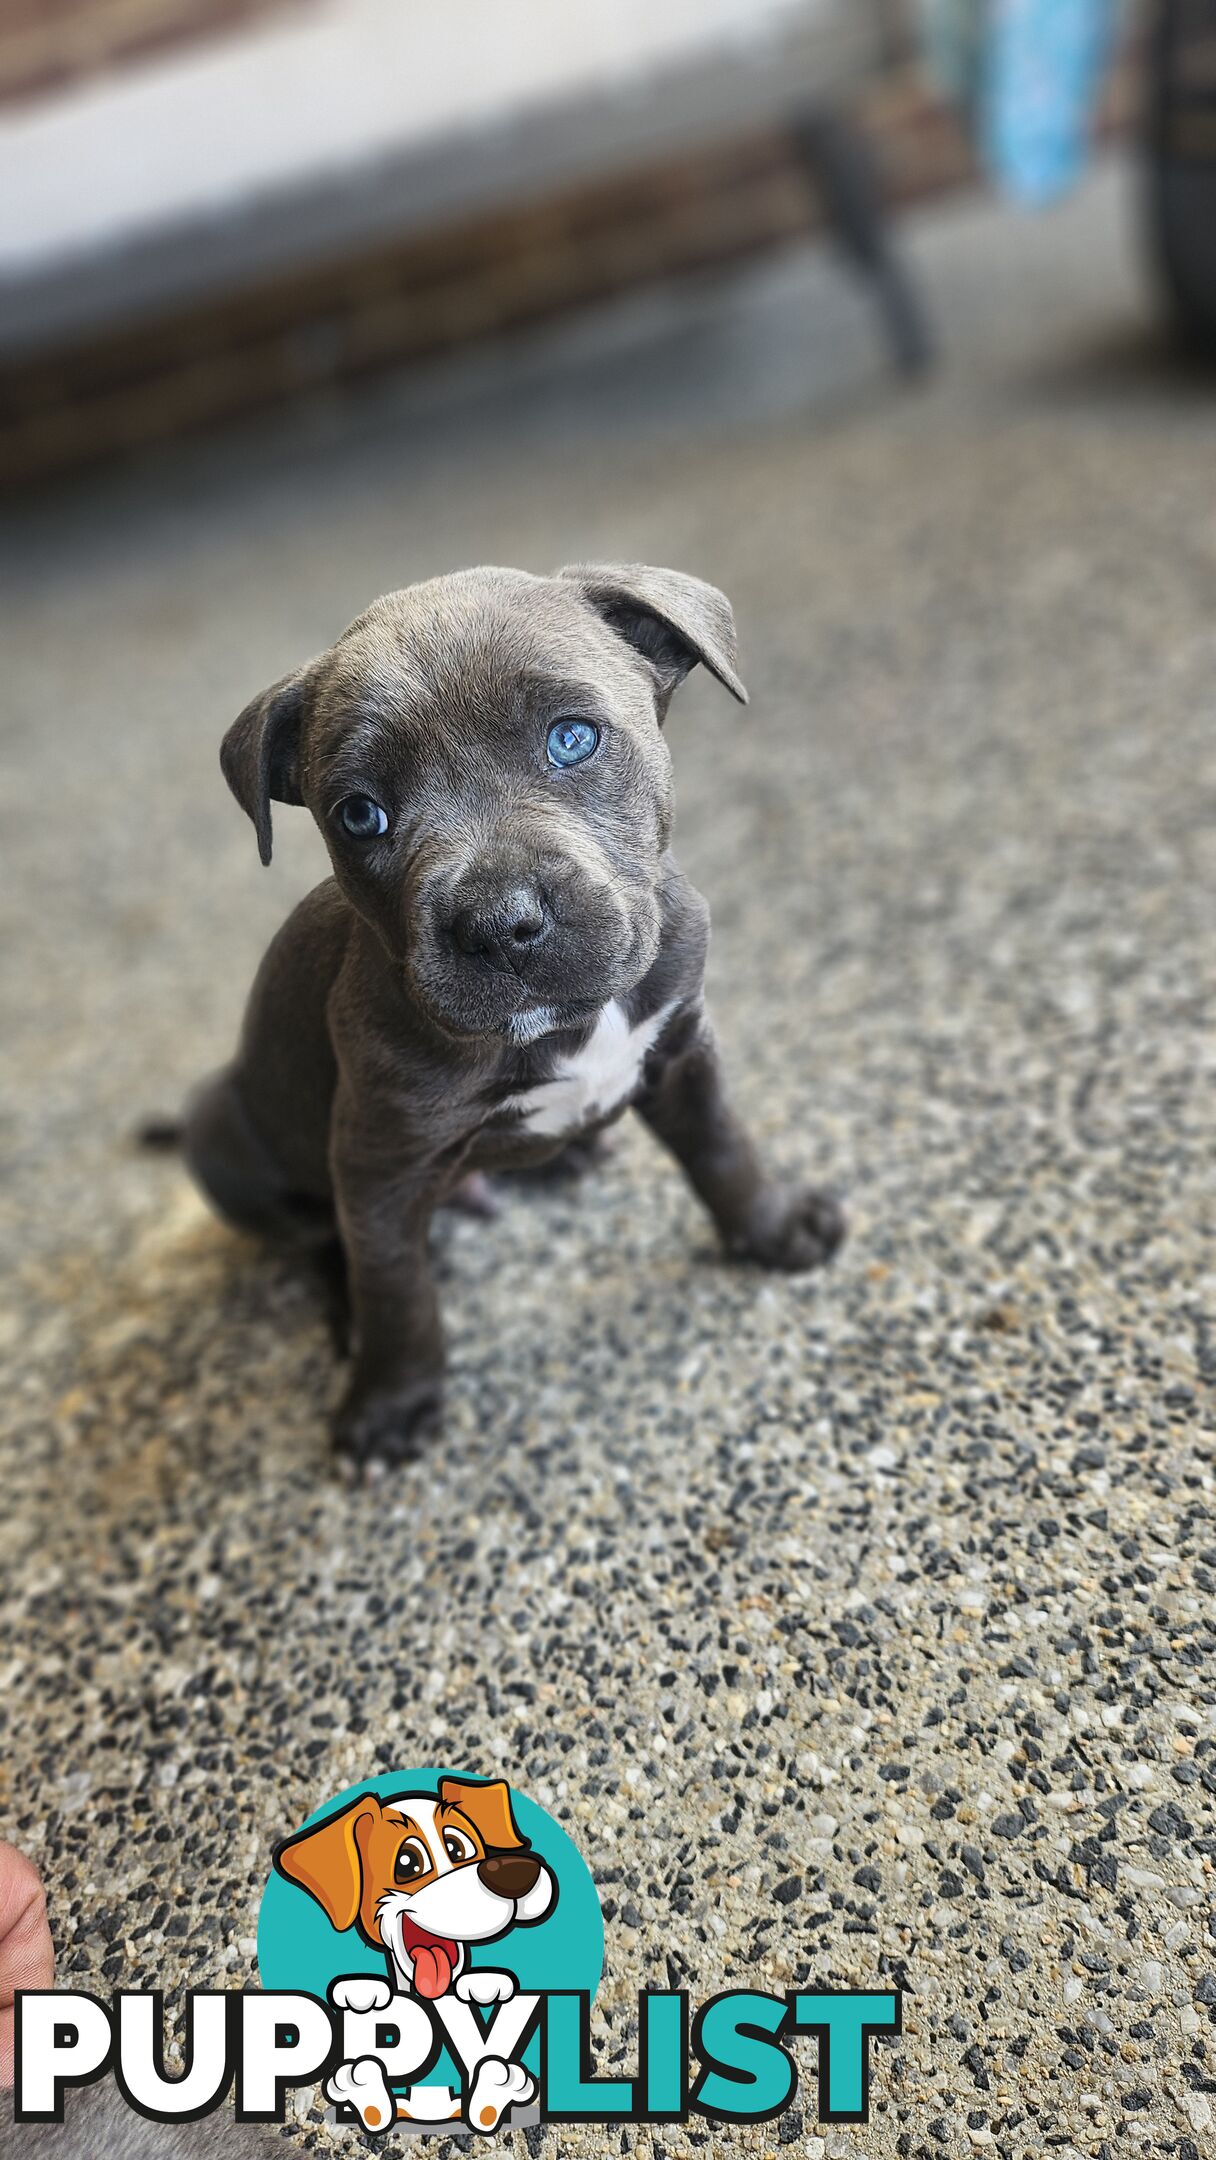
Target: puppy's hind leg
point(237, 1173)
point(362, 2085)
point(476, 1196)
point(333, 1282)
point(584, 1153)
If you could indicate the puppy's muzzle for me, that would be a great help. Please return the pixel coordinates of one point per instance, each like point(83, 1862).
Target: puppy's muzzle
point(509, 1875)
point(504, 930)
point(508, 931)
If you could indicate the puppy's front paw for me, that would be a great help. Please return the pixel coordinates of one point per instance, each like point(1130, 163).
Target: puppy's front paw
point(380, 1432)
point(485, 1986)
point(794, 1228)
point(360, 1992)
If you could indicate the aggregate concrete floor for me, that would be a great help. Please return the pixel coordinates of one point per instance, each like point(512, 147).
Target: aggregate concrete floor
point(875, 1608)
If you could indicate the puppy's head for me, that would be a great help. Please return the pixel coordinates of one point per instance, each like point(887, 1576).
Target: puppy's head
point(484, 757)
point(421, 1874)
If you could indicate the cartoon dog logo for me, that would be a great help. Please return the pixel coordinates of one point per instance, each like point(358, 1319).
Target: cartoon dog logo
point(424, 1876)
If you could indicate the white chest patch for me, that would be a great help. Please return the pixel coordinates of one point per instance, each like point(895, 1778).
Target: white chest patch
point(596, 1079)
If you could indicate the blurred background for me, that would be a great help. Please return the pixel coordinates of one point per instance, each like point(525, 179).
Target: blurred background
point(210, 207)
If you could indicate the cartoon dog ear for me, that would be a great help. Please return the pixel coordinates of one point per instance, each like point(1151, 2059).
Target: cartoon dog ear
point(260, 754)
point(672, 619)
point(327, 1860)
point(488, 1807)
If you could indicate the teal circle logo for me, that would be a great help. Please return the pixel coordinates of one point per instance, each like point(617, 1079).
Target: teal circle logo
point(429, 1908)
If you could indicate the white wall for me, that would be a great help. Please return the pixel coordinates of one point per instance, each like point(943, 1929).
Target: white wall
point(198, 130)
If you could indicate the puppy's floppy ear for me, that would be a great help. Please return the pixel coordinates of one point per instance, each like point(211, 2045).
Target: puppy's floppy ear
point(259, 755)
point(488, 1808)
point(672, 619)
point(327, 1860)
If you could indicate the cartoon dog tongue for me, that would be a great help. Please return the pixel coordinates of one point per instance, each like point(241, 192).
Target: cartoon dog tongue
point(433, 1958)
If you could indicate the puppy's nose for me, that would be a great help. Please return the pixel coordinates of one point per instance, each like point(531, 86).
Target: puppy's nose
point(509, 1874)
point(505, 929)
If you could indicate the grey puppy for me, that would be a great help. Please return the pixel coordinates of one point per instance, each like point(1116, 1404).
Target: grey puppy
point(506, 957)
point(97, 2121)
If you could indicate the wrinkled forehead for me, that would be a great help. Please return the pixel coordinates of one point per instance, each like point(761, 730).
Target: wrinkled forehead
point(469, 646)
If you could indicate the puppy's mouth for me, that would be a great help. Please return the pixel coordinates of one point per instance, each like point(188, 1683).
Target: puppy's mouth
point(594, 946)
point(434, 1958)
point(533, 1022)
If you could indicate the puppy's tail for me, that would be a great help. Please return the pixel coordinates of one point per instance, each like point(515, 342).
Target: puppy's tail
point(162, 1136)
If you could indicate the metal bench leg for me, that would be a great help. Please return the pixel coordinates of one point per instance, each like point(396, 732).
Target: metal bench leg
point(841, 163)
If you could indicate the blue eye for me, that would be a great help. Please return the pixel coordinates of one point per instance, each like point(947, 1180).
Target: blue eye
point(363, 818)
point(570, 741)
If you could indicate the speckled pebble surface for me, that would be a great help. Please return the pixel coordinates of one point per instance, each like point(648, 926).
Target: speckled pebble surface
point(861, 1627)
